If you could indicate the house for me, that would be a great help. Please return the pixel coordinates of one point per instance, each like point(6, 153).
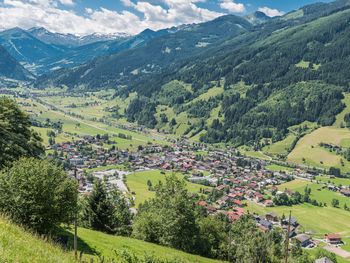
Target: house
point(238, 203)
point(293, 222)
point(345, 192)
point(272, 217)
point(268, 203)
point(266, 224)
point(333, 239)
point(323, 260)
point(304, 240)
point(258, 197)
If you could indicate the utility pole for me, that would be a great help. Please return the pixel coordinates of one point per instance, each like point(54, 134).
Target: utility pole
point(287, 237)
point(75, 223)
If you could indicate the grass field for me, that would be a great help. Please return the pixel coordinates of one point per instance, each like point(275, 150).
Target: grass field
point(213, 92)
point(308, 151)
point(317, 220)
point(278, 168)
point(245, 150)
point(105, 245)
point(106, 168)
point(336, 181)
point(80, 127)
point(321, 195)
point(281, 147)
point(137, 182)
point(17, 245)
point(58, 139)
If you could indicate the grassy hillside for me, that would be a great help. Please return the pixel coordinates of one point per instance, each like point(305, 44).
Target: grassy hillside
point(309, 152)
point(97, 243)
point(18, 245)
point(316, 220)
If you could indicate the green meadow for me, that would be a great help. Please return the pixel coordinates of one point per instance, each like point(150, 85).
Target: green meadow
point(74, 126)
point(137, 183)
point(98, 243)
point(316, 220)
point(19, 245)
point(318, 192)
point(309, 152)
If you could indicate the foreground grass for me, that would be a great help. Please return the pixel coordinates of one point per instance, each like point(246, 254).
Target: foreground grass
point(17, 245)
point(97, 243)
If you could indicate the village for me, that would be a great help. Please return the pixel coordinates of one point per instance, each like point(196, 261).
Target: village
point(229, 180)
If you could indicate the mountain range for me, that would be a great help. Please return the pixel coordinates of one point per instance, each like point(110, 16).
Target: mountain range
point(266, 74)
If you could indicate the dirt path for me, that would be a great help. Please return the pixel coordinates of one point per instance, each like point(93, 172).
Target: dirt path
point(338, 251)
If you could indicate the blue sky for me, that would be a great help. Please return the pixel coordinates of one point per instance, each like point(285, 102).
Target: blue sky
point(83, 17)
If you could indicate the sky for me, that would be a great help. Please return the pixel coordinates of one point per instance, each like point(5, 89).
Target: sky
point(83, 17)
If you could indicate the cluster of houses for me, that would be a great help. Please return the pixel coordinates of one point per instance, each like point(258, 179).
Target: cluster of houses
point(344, 189)
point(234, 180)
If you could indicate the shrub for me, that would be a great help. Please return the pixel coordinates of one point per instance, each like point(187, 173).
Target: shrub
point(37, 194)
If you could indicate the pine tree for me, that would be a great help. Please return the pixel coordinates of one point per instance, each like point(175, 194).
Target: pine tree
point(107, 211)
point(99, 209)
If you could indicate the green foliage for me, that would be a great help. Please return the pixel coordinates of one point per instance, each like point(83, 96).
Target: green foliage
point(16, 138)
point(172, 219)
point(169, 218)
point(127, 256)
point(250, 245)
point(173, 93)
point(335, 202)
point(106, 211)
point(335, 171)
point(261, 115)
point(142, 110)
point(37, 194)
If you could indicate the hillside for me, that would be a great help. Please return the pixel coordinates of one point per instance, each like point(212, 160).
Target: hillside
point(251, 79)
point(54, 51)
point(10, 68)
point(160, 52)
point(17, 245)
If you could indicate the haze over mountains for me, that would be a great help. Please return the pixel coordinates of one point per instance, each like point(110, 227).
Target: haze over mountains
point(264, 66)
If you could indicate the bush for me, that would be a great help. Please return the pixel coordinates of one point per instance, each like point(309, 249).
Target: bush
point(37, 194)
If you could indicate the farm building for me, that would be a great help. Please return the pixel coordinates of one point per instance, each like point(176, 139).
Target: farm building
point(333, 239)
point(304, 240)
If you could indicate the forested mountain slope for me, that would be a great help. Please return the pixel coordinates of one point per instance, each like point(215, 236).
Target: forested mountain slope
point(10, 68)
point(290, 75)
point(157, 54)
point(255, 83)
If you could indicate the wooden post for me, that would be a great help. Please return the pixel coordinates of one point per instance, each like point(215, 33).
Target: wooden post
point(75, 225)
point(287, 237)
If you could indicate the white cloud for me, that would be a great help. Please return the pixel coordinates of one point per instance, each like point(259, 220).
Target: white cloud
point(67, 2)
point(232, 6)
point(46, 13)
point(271, 12)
